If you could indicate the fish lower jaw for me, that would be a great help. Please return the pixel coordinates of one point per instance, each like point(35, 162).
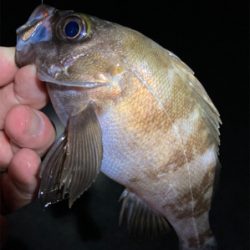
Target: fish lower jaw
point(44, 77)
point(82, 85)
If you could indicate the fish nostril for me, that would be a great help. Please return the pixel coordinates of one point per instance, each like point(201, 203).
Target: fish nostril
point(41, 12)
point(39, 15)
point(26, 31)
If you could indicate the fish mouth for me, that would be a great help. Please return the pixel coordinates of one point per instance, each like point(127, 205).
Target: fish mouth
point(85, 84)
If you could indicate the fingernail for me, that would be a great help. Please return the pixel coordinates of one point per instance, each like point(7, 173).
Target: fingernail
point(36, 124)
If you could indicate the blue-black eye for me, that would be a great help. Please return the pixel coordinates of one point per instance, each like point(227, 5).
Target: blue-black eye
point(73, 28)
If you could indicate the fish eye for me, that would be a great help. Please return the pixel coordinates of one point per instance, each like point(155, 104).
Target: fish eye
point(73, 28)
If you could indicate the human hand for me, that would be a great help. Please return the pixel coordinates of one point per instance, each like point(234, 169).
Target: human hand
point(25, 132)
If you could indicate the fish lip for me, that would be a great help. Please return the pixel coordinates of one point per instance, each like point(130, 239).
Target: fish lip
point(87, 85)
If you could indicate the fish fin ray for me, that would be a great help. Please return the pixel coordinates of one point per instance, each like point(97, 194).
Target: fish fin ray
point(80, 159)
point(51, 166)
point(140, 219)
point(85, 138)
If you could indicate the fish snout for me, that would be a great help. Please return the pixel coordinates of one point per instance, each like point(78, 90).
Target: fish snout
point(36, 30)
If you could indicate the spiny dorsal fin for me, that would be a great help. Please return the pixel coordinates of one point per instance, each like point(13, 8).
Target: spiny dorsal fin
point(74, 160)
point(139, 217)
point(209, 111)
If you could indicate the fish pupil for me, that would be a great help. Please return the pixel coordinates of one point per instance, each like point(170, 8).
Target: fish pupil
point(71, 29)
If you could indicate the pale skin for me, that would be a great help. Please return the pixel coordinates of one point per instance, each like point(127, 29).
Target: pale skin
point(25, 132)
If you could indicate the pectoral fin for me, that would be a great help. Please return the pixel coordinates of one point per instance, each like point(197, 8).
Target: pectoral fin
point(140, 218)
point(74, 160)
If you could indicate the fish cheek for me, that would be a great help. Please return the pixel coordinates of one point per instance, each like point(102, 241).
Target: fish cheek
point(94, 67)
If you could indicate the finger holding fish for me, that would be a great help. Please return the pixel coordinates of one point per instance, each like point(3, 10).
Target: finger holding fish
point(19, 165)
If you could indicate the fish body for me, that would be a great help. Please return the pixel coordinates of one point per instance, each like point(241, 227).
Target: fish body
point(131, 109)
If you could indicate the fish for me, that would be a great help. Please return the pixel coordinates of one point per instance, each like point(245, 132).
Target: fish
point(132, 110)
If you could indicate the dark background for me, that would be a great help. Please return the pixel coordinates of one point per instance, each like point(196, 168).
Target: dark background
point(212, 37)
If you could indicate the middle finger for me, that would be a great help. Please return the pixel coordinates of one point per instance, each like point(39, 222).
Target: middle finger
point(29, 128)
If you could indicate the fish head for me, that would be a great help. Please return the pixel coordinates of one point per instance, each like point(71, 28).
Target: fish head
point(69, 48)
point(76, 55)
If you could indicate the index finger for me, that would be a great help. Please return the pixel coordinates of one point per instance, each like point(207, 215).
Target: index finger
point(8, 66)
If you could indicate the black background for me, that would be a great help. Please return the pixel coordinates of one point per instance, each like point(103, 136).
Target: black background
point(212, 37)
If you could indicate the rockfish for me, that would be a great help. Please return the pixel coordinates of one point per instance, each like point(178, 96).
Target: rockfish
point(132, 110)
